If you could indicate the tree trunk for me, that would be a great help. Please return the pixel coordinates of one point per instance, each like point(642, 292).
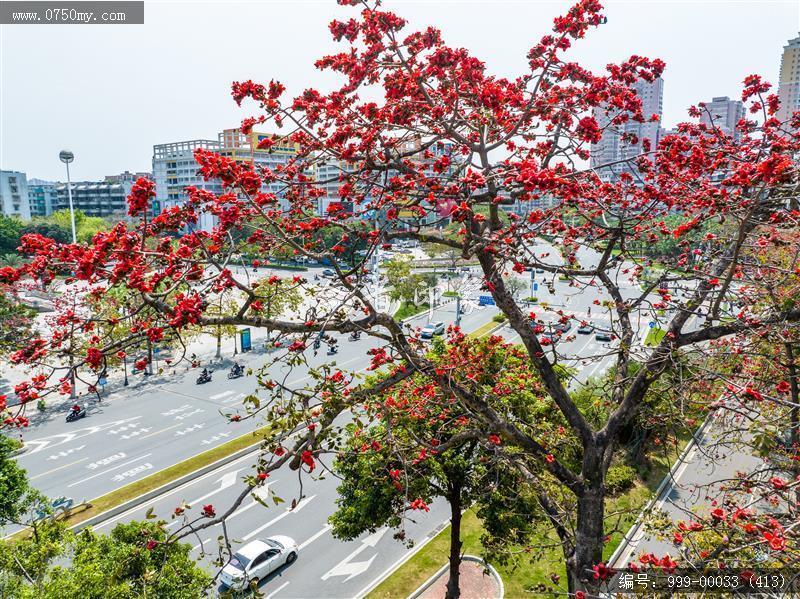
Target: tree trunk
point(453, 587)
point(219, 342)
point(589, 532)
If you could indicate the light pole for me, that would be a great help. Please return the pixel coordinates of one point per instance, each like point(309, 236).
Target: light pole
point(66, 157)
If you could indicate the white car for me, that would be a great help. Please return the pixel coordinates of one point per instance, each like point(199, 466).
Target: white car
point(257, 560)
point(431, 329)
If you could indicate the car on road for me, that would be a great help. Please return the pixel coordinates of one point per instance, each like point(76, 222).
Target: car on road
point(602, 336)
point(257, 560)
point(431, 329)
point(549, 337)
point(328, 273)
point(586, 328)
point(562, 327)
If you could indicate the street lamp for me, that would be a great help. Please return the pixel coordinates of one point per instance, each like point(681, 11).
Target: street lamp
point(66, 157)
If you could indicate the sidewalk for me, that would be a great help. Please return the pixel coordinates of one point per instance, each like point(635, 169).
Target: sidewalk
point(475, 581)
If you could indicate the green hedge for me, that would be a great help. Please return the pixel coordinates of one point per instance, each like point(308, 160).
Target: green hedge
point(500, 317)
point(619, 478)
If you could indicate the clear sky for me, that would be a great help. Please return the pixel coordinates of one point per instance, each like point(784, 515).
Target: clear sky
point(110, 92)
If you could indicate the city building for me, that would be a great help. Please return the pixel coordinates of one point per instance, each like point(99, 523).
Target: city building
point(789, 80)
point(174, 167)
point(42, 197)
point(612, 149)
point(127, 177)
point(14, 194)
point(723, 113)
point(95, 198)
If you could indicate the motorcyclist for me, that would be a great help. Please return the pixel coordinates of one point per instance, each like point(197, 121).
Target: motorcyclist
point(205, 374)
point(76, 408)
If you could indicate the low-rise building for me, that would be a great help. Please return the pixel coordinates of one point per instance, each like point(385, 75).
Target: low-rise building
point(14, 194)
point(42, 197)
point(95, 198)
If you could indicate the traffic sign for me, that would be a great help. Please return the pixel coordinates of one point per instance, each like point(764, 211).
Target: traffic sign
point(536, 286)
point(651, 324)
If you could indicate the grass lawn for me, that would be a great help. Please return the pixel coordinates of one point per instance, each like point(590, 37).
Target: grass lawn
point(483, 330)
point(409, 309)
point(528, 573)
point(654, 337)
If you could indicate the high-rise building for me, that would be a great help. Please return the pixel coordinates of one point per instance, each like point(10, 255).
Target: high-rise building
point(613, 149)
point(42, 197)
point(723, 113)
point(789, 80)
point(174, 167)
point(14, 194)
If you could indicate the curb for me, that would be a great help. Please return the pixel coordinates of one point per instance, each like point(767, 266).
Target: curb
point(666, 482)
point(169, 486)
point(468, 558)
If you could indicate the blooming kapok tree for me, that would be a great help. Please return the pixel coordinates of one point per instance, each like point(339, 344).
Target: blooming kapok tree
point(423, 136)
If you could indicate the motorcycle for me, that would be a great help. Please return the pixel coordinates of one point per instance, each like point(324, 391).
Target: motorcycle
point(76, 414)
point(204, 378)
point(236, 372)
point(354, 336)
point(332, 349)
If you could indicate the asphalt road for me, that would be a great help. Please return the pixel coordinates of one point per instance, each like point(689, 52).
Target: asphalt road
point(158, 422)
point(326, 567)
point(694, 484)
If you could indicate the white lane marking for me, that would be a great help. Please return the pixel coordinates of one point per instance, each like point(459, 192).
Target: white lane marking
point(132, 472)
point(353, 569)
point(189, 429)
point(204, 543)
point(62, 454)
point(234, 399)
point(221, 395)
point(83, 480)
point(288, 511)
point(637, 538)
point(133, 510)
point(275, 592)
point(36, 445)
point(226, 480)
point(308, 542)
point(260, 492)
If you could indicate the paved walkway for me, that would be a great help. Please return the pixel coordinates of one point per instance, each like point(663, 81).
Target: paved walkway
point(475, 583)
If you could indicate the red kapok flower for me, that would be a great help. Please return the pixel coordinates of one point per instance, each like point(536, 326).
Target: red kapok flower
point(208, 511)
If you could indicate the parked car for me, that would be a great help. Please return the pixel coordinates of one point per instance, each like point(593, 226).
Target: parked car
point(586, 328)
point(257, 560)
point(602, 336)
point(328, 273)
point(431, 329)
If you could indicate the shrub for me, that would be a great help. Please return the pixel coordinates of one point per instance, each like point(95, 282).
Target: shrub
point(500, 317)
point(619, 478)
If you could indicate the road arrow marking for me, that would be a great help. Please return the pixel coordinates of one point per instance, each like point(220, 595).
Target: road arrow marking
point(36, 445)
point(288, 511)
point(353, 569)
